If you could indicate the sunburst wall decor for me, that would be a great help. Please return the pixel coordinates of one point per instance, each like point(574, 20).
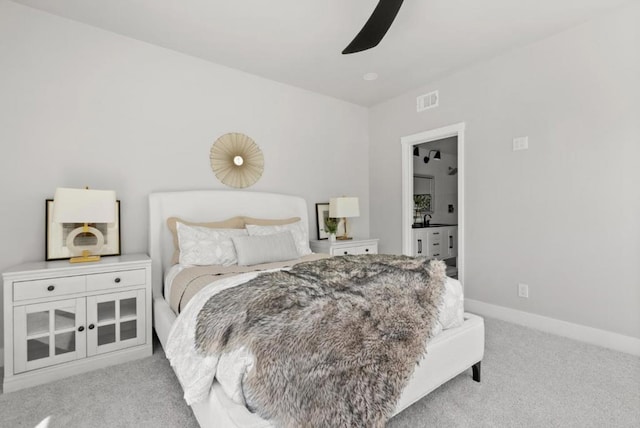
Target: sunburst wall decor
point(236, 160)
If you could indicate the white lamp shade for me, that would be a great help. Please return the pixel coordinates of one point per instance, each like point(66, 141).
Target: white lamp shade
point(344, 207)
point(84, 206)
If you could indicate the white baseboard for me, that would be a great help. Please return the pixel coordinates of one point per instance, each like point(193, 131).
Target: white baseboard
point(607, 339)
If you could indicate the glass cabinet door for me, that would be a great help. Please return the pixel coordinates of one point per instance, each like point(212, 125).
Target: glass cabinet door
point(49, 333)
point(115, 321)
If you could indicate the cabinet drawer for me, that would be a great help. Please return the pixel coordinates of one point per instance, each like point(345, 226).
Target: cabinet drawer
point(123, 278)
point(436, 237)
point(359, 249)
point(50, 287)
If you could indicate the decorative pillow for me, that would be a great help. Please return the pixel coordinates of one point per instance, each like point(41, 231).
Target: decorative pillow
point(205, 246)
point(231, 223)
point(269, 221)
point(297, 229)
point(253, 250)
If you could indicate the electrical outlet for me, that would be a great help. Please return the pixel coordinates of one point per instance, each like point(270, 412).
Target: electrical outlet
point(523, 291)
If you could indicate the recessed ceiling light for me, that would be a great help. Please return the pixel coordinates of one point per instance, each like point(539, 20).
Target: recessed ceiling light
point(370, 76)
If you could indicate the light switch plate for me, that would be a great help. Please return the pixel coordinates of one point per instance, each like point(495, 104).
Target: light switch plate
point(520, 143)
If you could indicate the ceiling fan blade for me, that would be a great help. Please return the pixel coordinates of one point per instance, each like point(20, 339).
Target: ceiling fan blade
point(376, 27)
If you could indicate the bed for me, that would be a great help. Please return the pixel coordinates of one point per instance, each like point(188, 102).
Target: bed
point(450, 353)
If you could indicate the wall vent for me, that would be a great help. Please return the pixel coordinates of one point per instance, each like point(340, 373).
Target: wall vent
point(427, 101)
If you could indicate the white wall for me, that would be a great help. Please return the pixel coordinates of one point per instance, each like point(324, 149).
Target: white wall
point(564, 216)
point(81, 106)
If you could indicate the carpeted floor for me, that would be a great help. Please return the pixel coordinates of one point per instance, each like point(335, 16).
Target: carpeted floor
point(529, 379)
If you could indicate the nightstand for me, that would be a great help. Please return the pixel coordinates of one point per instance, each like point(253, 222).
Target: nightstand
point(62, 319)
point(340, 248)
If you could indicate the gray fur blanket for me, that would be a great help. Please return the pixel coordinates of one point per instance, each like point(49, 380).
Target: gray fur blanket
point(334, 341)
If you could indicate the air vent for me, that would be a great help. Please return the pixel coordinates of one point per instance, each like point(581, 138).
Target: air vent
point(427, 101)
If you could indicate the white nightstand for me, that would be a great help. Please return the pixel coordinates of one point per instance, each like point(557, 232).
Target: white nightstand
point(340, 248)
point(62, 319)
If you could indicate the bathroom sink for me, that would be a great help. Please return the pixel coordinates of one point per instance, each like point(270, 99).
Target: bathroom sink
point(422, 226)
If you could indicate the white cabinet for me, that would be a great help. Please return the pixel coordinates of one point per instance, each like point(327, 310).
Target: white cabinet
point(343, 248)
point(62, 319)
point(435, 242)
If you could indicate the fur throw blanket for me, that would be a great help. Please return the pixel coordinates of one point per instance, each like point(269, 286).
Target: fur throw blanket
point(334, 341)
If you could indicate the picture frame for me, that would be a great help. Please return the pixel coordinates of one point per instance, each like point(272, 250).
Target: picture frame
point(56, 235)
point(322, 212)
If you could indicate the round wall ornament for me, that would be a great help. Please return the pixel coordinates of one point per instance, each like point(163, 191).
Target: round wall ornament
point(236, 160)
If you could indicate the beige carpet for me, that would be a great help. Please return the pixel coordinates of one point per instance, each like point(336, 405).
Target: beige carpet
point(529, 379)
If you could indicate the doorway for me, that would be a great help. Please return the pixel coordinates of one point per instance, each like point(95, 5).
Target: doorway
point(411, 142)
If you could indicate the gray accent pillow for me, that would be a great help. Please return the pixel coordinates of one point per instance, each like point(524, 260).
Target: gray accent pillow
point(253, 250)
point(298, 230)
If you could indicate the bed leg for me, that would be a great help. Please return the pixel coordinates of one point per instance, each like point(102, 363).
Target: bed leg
point(476, 371)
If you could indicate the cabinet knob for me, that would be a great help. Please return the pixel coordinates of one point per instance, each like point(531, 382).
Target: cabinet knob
point(81, 328)
point(345, 253)
point(366, 250)
point(117, 280)
point(91, 326)
point(51, 287)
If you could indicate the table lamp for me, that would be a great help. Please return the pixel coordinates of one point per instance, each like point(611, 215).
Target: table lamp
point(84, 206)
point(344, 207)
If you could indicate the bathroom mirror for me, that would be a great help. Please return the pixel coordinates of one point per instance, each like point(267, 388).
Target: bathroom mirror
point(424, 190)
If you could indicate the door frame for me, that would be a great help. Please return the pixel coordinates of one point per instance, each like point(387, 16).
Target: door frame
point(408, 142)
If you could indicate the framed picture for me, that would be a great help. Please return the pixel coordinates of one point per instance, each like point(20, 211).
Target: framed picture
point(56, 236)
point(322, 213)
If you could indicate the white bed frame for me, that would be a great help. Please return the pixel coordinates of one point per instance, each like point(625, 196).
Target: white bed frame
point(450, 353)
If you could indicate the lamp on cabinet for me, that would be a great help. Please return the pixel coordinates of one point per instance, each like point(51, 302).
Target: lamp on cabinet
point(84, 206)
point(344, 207)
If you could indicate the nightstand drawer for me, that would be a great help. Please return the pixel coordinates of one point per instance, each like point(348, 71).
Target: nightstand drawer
point(52, 287)
point(355, 250)
point(343, 248)
point(125, 278)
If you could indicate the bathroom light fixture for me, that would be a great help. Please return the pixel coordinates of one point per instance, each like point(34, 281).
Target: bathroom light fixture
point(436, 156)
point(416, 151)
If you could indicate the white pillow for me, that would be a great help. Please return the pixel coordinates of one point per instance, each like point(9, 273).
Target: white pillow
point(297, 229)
point(206, 246)
point(254, 250)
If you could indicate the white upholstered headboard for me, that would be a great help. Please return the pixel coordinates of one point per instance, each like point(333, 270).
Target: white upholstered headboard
point(209, 205)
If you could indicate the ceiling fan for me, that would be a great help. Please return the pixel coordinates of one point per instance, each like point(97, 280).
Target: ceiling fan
point(376, 26)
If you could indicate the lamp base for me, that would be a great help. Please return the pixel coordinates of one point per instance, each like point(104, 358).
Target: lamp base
point(86, 249)
point(85, 257)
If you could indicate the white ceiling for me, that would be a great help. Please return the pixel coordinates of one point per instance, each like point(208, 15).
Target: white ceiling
point(299, 42)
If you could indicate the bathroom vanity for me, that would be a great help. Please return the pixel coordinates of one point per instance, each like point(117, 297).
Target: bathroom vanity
point(437, 241)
